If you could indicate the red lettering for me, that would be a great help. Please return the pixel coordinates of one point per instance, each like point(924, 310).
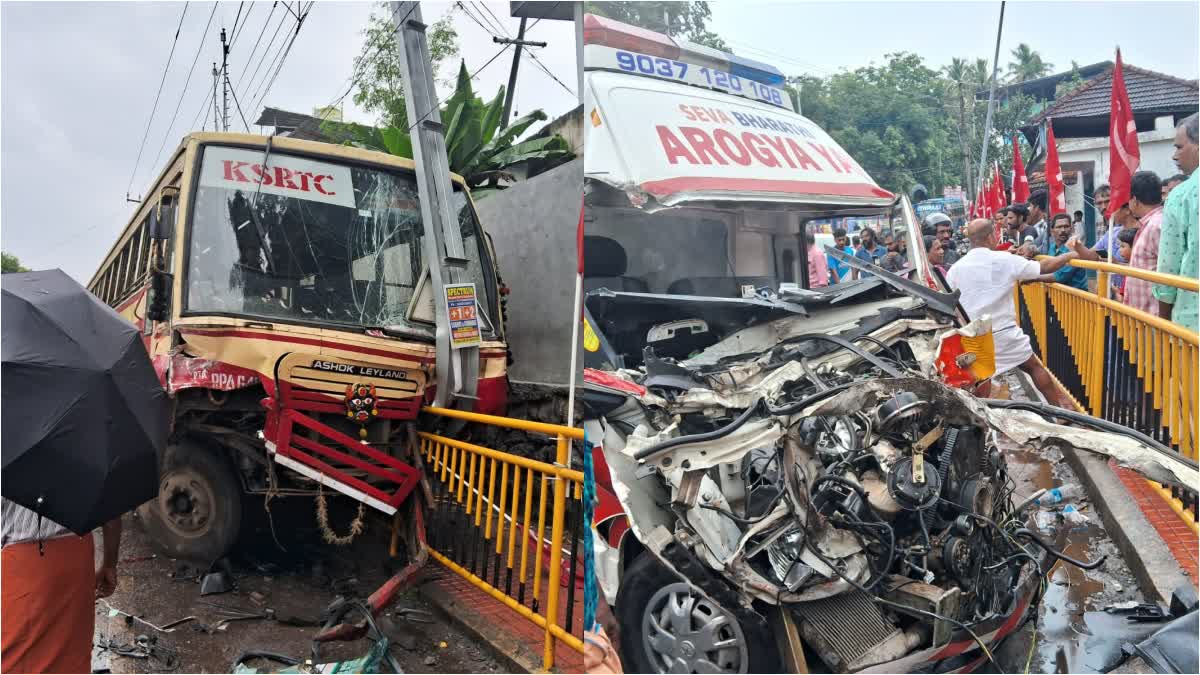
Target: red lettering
point(824, 152)
point(303, 176)
point(702, 145)
point(264, 177)
point(803, 157)
point(777, 143)
point(687, 112)
point(233, 171)
point(702, 114)
point(283, 178)
point(317, 184)
point(759, 150)
point(724, 118)
point(673, 146)
point(845, 162)
point(732, 147)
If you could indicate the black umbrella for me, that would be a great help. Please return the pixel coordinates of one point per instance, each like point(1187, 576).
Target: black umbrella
point(84, 417)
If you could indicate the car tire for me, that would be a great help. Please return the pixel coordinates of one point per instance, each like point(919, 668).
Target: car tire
point(645, 583)
point(197, 514)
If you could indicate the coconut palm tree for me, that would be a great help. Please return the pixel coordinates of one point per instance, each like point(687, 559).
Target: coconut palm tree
point(958, 72)
point(1027, 65)
point(980, 74)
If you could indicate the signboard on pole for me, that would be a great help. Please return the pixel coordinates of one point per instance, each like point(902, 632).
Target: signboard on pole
point(464, 316)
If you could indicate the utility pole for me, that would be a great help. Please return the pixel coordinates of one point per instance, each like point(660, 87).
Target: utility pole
point(216, 106)
point(457, 369)
point(512, 74)
point(225, 83)
point(987, 125)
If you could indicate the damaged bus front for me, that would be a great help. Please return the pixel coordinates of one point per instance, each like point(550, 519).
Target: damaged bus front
point(790, 479)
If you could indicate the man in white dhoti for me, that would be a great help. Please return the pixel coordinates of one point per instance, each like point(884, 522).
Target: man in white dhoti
point(986, 278)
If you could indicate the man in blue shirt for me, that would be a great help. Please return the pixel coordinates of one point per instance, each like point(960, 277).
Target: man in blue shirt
point(1075, 277)
point(1110, 243)
point(837, 267)
point(870, 250)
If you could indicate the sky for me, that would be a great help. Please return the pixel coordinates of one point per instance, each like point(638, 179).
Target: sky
point(820, 38)
point(78, 81)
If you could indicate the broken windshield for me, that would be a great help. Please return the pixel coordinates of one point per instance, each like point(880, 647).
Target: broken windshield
point(317, 242)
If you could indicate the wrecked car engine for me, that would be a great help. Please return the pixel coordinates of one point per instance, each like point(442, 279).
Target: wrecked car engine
point(831, 474)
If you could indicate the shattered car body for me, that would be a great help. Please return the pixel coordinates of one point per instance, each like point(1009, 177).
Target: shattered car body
point(817, 467)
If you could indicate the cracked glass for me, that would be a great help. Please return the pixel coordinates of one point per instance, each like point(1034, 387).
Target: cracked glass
point(261, 252)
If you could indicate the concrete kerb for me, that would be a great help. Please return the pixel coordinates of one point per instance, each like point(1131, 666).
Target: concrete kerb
point(1148, 556)
point(513, 655)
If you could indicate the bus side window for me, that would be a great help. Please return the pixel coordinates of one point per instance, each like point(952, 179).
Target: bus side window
point(141, 251)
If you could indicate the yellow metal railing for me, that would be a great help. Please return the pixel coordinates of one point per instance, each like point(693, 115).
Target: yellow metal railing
point(491, 519)
point(1120, 363)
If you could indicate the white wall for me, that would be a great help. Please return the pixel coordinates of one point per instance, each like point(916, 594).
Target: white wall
point(1156, 147)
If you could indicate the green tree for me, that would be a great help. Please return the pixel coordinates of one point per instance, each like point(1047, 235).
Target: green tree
point(10, 263)
point(1027, 65)
point(905, 136)
point(959, 74)
point(478, 149)
point(1071, 83)
point(688, 20)
point(379, 71)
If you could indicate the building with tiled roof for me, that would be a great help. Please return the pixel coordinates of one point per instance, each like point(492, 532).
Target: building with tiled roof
point(1081, 119)
point(1084, 111)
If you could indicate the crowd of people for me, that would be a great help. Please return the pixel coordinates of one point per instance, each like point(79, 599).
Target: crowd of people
point(1156, 230)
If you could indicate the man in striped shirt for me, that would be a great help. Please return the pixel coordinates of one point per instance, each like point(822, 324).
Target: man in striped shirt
point(50, 584)
point(1145, 201)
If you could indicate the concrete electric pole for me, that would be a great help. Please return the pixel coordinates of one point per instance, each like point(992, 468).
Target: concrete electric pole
point(445, 256)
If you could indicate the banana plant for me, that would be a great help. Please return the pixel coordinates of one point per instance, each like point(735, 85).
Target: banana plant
point(478, 149)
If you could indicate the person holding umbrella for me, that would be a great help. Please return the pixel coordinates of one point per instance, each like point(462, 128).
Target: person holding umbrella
point(84, 424)
point(49, 589)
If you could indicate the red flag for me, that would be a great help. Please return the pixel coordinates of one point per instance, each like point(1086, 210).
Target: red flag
point(1057, 202)
point(1123, 153)
point(1020, 181)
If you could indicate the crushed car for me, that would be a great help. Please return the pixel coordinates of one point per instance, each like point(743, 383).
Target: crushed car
point(819, 473)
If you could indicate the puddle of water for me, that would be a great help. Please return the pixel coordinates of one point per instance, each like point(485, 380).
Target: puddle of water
point(1061, 634)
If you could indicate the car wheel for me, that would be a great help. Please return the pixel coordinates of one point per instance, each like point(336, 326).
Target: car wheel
point(198, 511)
point(667, 627)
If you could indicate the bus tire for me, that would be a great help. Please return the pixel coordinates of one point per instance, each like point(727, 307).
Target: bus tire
point(198, 511)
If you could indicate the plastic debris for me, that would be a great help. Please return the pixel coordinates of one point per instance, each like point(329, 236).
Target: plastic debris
point(1060, 494)
point(1074, 517)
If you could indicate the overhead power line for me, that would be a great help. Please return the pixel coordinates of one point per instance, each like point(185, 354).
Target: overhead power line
point(262, 59)
point(497, 30)
point(368, 60)
point(254, 50)
point(154, 108)
point(303, 14)
point(437, 103)
point(267, 50)
point(195, 59)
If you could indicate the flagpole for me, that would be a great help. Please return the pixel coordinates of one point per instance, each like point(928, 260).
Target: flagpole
point(987, 125)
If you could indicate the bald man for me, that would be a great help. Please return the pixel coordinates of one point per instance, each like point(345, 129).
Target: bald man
point(986, 278)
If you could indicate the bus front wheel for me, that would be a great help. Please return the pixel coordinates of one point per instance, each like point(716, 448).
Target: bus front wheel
point(198, 511)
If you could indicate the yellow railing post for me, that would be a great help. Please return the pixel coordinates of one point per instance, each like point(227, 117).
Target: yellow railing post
point(1161, 354)
point(1100, 357)
point(471, 469)
point(556, 534)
